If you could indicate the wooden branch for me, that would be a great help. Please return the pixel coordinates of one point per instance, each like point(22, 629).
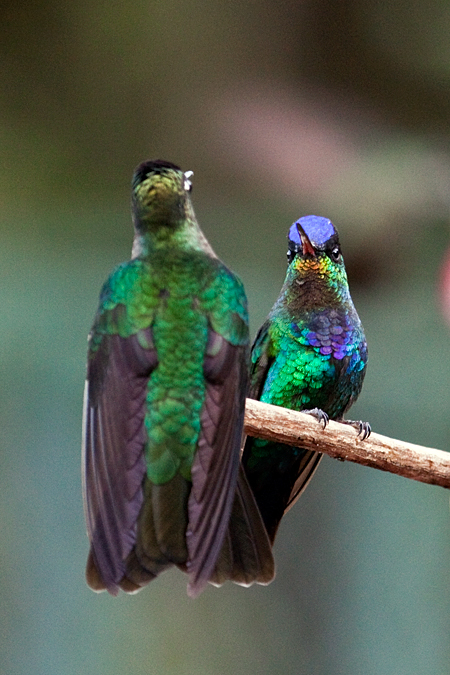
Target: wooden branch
point(341, 441)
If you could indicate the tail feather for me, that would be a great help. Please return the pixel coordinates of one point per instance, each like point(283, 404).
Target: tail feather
point(246, 554)
point(170, 517)
point(161, 532)
point(245, 557)
point(280, 481)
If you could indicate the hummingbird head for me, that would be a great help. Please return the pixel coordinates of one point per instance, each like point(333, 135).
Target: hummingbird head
point(315, 260)
point(313, 236)
point(160, 192)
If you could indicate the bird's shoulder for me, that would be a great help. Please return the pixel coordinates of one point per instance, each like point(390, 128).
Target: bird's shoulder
point(224, 300)
point(127, 303)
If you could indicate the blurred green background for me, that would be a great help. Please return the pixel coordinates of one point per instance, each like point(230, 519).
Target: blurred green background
point(281, 109)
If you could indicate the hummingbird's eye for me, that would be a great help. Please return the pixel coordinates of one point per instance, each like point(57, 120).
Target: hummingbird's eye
point(290, 256)
point(335, 254)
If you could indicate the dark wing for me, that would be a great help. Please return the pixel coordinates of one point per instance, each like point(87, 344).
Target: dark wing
point(215, 466)
point(246, 554)
point(261, 361)
point(113, 441)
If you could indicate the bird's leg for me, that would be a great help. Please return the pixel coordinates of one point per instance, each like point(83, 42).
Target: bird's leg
point(363, 428)
point(319, 414)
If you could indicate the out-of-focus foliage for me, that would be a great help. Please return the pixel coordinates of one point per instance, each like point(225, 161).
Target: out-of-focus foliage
point(281, 109)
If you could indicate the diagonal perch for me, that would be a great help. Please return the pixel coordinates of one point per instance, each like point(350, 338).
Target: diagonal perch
point(427, 465)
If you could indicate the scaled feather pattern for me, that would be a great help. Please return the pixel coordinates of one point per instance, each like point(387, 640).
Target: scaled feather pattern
point(164, 401)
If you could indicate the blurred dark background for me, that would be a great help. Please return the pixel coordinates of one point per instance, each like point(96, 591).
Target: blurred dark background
point(281, 109)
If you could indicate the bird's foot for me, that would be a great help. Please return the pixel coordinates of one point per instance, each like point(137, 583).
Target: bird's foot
point(363, 428)
point(319, 414)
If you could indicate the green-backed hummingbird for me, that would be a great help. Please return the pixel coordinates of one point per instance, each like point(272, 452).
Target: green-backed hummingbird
point(164, 405)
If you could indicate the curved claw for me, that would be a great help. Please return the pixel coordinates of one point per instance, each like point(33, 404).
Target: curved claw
point(320, 416)
point(363, 428)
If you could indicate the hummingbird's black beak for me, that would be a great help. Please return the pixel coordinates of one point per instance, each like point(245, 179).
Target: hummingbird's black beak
point(307, 247)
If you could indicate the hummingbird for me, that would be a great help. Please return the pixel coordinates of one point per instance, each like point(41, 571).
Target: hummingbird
point(310, 355)
point(164, 400)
